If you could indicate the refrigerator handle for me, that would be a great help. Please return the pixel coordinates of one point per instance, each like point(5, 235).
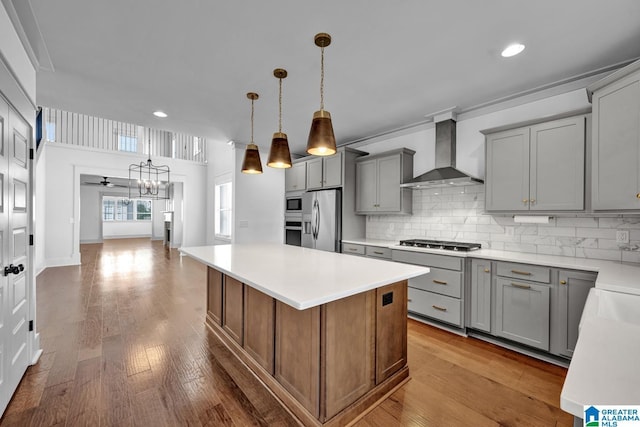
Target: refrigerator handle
point(314, 218)
point(317, 206)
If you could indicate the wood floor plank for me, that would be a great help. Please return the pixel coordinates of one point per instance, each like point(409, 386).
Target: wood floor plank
point(54, 406)
point(85, 397)
point(125, 344)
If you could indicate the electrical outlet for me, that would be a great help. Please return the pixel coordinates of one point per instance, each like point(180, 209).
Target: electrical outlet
point(622, 236)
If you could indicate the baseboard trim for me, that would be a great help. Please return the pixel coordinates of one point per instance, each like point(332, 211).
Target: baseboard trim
point(61, 262)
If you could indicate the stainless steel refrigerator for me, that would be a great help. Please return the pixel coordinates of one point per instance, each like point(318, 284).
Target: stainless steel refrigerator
point(321, 220)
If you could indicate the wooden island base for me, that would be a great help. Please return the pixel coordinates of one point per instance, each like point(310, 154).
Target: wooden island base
point(329, 364)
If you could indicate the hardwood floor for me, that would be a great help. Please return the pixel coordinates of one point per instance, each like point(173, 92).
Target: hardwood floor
point(125, 344)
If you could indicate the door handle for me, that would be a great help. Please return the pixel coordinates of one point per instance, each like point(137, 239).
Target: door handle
point(13, 269)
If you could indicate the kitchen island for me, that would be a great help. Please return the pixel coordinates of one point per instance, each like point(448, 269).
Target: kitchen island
point(326, 333)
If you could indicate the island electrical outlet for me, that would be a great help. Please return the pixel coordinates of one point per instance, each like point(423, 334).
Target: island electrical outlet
point(622, 236)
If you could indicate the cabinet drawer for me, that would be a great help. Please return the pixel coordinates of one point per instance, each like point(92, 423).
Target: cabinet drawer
point(445, 282)
point(378, 252)
point(440, 307)
point(532, 273)
point(350, 248)
point(430, 260)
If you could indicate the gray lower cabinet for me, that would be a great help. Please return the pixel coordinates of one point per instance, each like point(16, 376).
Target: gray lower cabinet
point(438, 294)
point(366, 250)
point(480, 295)
point(567, 305)
point(522, 312)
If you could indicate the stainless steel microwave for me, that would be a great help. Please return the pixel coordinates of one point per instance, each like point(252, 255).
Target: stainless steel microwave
point(293, 204)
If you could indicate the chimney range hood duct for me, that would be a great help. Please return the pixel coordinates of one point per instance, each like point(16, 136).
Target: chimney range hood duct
point(445, 173)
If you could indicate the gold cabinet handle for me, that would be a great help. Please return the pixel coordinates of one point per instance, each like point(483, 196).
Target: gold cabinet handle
point(409, 300)
point(525, 201)
point(521, 286)
point(533, 201)
point(638, 196)
point(486, 270)
point(437, 307)
point(378, 253)
point(523, 273)
point(439, 282)
point(563, 282)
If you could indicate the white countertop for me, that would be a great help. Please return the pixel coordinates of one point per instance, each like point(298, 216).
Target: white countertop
point(604, 368)
point(612, 275)
point(301, 277)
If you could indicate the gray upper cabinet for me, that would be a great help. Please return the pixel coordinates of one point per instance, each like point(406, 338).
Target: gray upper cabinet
point(480, 301)
point(567, 306)
point(507, 176)
point(537, 168)
point(616, 140)
point(324, 172)
point(378, 179)
point(295, 177)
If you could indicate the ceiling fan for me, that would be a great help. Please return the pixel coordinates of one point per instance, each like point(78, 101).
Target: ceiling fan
point(105, 183)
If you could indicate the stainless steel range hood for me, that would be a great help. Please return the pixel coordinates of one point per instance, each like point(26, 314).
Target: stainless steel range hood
point(445, 173)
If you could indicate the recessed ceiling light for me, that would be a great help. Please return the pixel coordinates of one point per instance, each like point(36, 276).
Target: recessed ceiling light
point(512, 50)
point(161, 114)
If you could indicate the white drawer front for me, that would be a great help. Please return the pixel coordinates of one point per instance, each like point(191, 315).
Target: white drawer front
point(445, 282)
point(350, 248)
point(440, 307)
point(378, 252)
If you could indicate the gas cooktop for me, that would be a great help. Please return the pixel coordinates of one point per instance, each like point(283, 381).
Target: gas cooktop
point(441, 244)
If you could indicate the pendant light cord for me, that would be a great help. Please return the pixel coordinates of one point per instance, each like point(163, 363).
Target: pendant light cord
point(252, 121)
point(280, 108)
point(322, 78)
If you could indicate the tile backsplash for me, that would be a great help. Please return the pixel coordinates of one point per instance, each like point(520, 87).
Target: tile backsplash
point(458, 214)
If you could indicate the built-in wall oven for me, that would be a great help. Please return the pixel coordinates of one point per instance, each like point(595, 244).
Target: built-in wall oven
point(293, 229)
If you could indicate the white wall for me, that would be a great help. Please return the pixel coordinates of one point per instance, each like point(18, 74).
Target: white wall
point(90, 214)
point(124, 229)
point(18, 64)
point(61, 191)
point(258, 202)
point(93, 230)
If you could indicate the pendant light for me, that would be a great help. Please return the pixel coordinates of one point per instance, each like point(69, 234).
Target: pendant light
point(279, 154)
point(148, 178)
point(321, 141)
point(251, 163)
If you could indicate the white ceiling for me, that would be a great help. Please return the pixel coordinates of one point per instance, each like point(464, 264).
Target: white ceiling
point(391, 63)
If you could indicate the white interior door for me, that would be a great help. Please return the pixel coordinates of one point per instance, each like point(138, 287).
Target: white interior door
point(14, 290)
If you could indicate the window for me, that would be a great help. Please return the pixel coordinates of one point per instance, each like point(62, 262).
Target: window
point(128, 143)
point(50, 131)
point(122, 209)
point(223, 210)
point(143, 210)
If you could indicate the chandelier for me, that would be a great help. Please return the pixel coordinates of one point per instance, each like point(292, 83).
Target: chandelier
point(146, 179)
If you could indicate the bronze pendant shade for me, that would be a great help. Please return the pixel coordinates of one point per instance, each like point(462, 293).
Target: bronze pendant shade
point(279, 154)
point(322, 141)
point(251, 163)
